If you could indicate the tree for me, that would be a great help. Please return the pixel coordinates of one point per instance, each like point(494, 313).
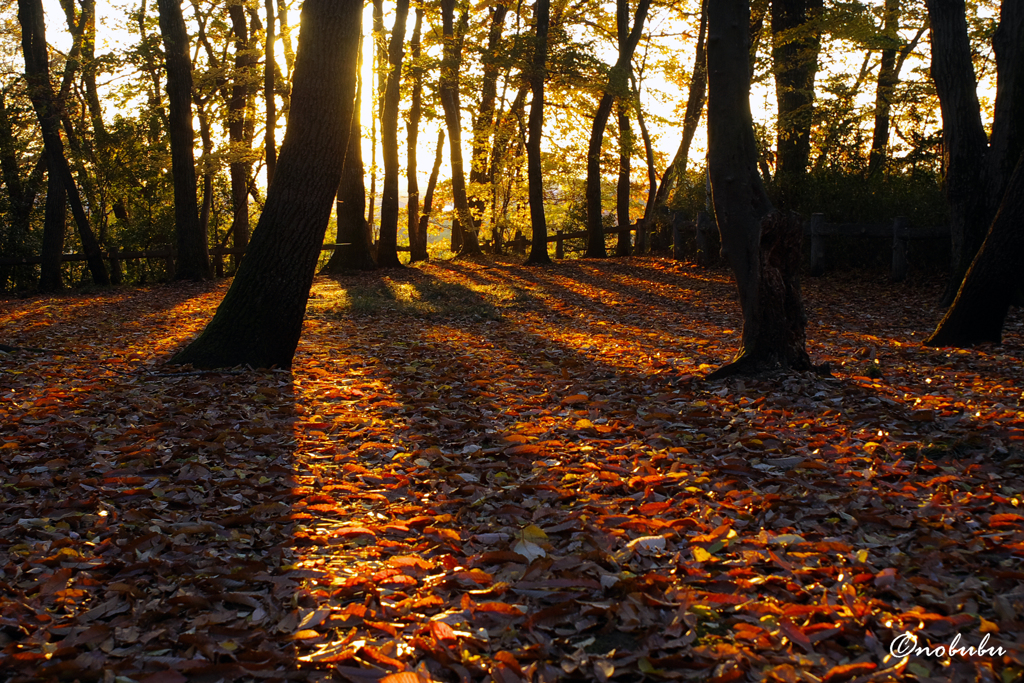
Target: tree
point(617, 86)
point(420, 241)
point(260, 319)
point(417, 249)
point(539, 242)
point(269, 71)
point(47, 107)
point(796, 40)
point(977, 169)
point(193, 252)
point(240, 126)
point(21, 194)
point(762, 246)
point(623, 186)
point(387, 245)
point(979, 310)
point(449, 94)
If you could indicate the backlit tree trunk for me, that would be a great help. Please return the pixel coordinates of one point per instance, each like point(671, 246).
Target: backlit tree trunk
point(483, 122)
point(260, 320)
point(417, 251)
point(761, 245)
point(54, 226)
point(428, 198)
point(622, 188)
point(387, 245)
point(237, 124)
point(269, 70)
point(193, 252)
point(535, 178)
point(37, 75)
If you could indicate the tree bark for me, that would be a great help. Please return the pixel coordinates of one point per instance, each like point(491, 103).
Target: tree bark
point(193, 252)
point(54, 226)
point(379, 56)
point(964, 144)
point(417, 251)
point(237, 125)
point(652, 175)
point(269, 69)
point(483, 122)
point(535, 177)
point(428, 198)
point(796, 41)
point(617, 87)
point(888, 78)
point(37, 75)
point(260, 320)
point(387, 245)
point(449, 93)
point(979, 310)
point(1007, 140)
point(761, 245)
point(622, 188)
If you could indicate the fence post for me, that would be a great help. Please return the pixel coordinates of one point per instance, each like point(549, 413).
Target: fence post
point(677, 237)
point(703, 238)
point(115, 267)
point(817, 244)
point(900, 235)
point(559, 247)
point(169, 264)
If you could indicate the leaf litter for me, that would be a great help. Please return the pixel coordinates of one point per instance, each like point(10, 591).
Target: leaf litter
point(483, 472)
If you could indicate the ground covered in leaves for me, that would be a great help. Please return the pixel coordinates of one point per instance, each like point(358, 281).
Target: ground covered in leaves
point(479, 471)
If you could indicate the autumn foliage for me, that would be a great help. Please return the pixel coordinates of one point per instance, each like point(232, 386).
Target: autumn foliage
point(484, 472)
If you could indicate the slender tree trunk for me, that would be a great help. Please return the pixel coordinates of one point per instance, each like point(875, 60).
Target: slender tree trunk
point(353, 239)
point(149, 48)
point(449, 93)
point(652, 176)
point(535, 177)
point(483, 122)
point(796, 41)
point(260, 320)
point(761, 245)
point(237, 125)
point(618, 86)
point(622, 188)
point(387, 246)
point(37, 74)
point(428, 198)
point(979, 310)
point(378, 70)
point(54, 226)
point(697, 94)
point(208, 170)
point(417, 251)
point(269, 68)
point(193, 252)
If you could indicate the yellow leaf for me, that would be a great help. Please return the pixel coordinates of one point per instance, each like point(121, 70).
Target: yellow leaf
point(534, 534)
point(701, 555)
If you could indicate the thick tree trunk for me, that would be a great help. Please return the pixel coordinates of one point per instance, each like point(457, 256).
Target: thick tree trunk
point(979, 310)
point(269, 70)
point(483, 122)
point(761, 245)
point(535, 177)
point(387, 245)
point(698, 89)
point(260, 320)
point(1007, 141)
point(449, 93)
point(37, 75)
point(54, 226)
point(420, 247)
point(353, 235)
point(622, 188)
point(193, 252)
point(796, 41)
point(617, 86)
point(417, 252)
point(964, 144)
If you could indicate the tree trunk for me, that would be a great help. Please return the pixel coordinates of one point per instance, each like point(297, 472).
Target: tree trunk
point(761, 245)
point(449, 93)
point(21, 195)
point(54, 226)
point(1007, 141)
point(535, 177)
point(964, 143)
point(37, 76)
point(237, 125)
point(652, 176)
point(483, 122)
point(622, 188)
point(353, 236)
point(260, 320)
point(375, 112)
point(387, 245)
point(416, 253)
point(428, 201)
point(269, 67)
point(617, 86)
point(979, 310)
point(796, 41)
point(193, 261)
point(676, 170)
point(888, 78)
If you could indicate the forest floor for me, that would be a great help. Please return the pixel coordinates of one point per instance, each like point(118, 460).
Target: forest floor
point(480, 472)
